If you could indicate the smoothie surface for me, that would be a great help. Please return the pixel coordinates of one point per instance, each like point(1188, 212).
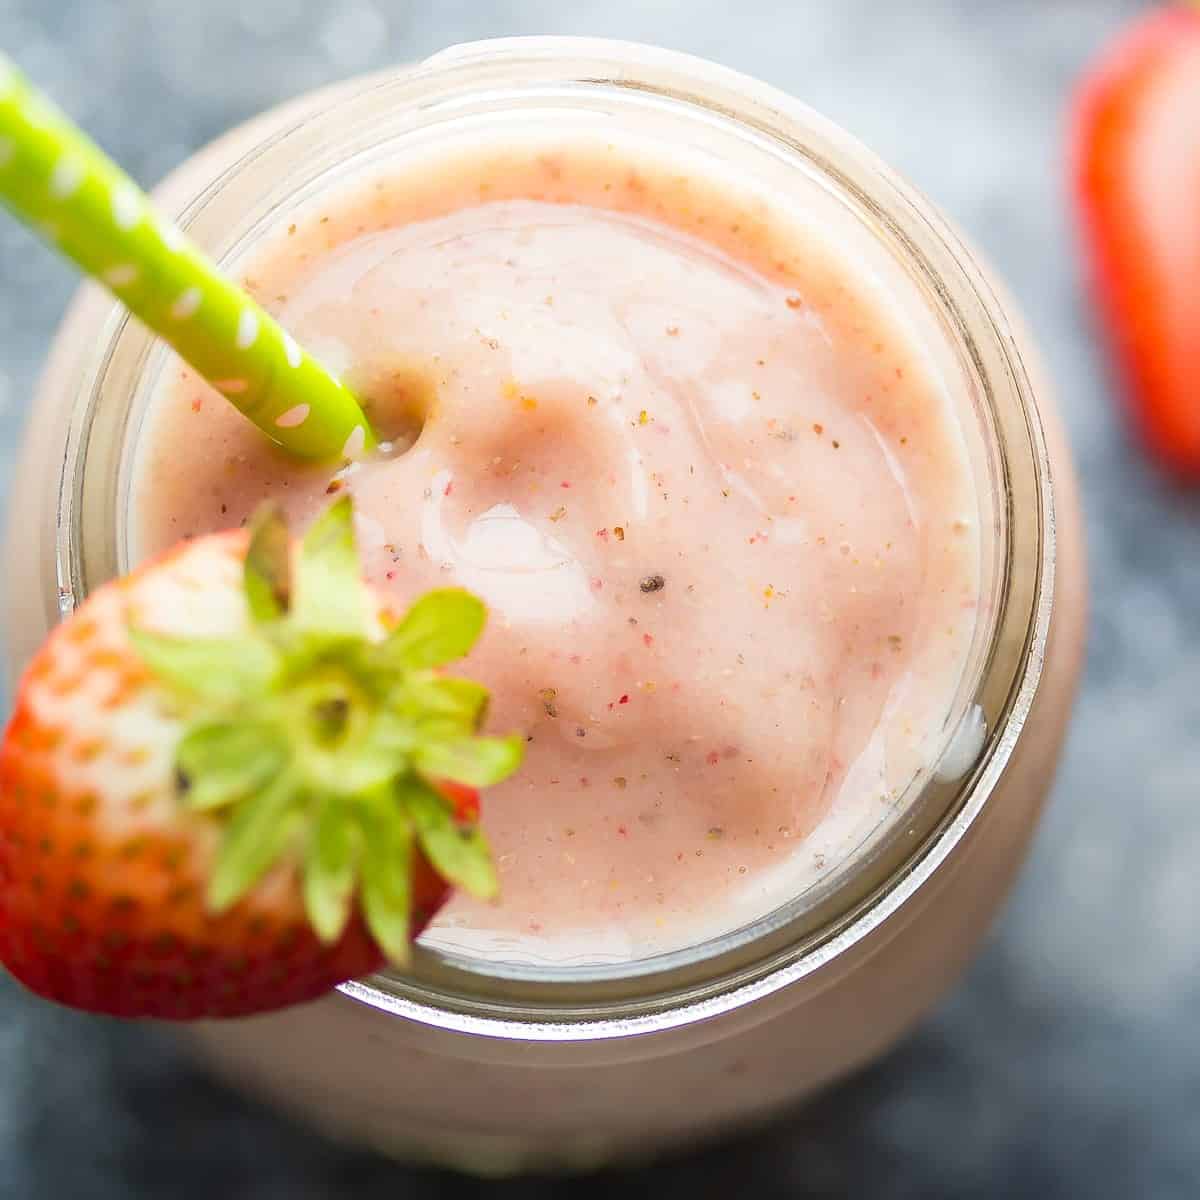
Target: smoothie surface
point(704, 476)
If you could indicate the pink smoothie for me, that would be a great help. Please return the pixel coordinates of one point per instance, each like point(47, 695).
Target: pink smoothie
point(705, 478)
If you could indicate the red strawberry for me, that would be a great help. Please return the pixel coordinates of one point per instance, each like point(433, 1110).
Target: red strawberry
point(224, 791)
point(1136, 143)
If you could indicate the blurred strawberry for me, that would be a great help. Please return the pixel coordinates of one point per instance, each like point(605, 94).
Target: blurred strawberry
point(1136, 167)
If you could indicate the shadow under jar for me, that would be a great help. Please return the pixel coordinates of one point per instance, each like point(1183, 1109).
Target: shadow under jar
point(501, 1066)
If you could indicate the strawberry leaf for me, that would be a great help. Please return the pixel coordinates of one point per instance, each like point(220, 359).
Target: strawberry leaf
point(254, 839)
point(267, 572)
point(387, 878)
point(213, 667)
point(475, 761)
point(330, 869)
point(330, 597)
point(314, 732)
point(459, 854)
point(220, 762)
point(460, 701)
point(440, 627)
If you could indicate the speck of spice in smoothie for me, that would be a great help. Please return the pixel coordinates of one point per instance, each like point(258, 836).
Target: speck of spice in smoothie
point(652, 583)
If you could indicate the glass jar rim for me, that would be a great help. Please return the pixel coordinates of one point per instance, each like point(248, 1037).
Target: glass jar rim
point(715, 977)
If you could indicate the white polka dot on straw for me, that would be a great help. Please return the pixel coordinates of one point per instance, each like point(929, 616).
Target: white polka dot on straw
point(247, 330)
point(187, 304)
point(355, 443)
point(66, 177)
point(39, 112)
point(126, 208)
point(293, 417)
point(122, 275)
point(172, 236)
point(292, 351)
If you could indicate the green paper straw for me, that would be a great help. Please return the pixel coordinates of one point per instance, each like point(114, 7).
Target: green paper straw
point(78, 200)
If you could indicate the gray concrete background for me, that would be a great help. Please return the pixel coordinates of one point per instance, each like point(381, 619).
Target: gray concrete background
point(1068, 1065)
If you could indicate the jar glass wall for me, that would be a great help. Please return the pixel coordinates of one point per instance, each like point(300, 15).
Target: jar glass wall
point(605, 1060)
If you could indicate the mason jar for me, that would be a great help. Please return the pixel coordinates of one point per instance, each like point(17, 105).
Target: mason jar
point(497, 1066)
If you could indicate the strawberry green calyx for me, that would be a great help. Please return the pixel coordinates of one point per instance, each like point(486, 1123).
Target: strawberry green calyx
point(319, 733)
